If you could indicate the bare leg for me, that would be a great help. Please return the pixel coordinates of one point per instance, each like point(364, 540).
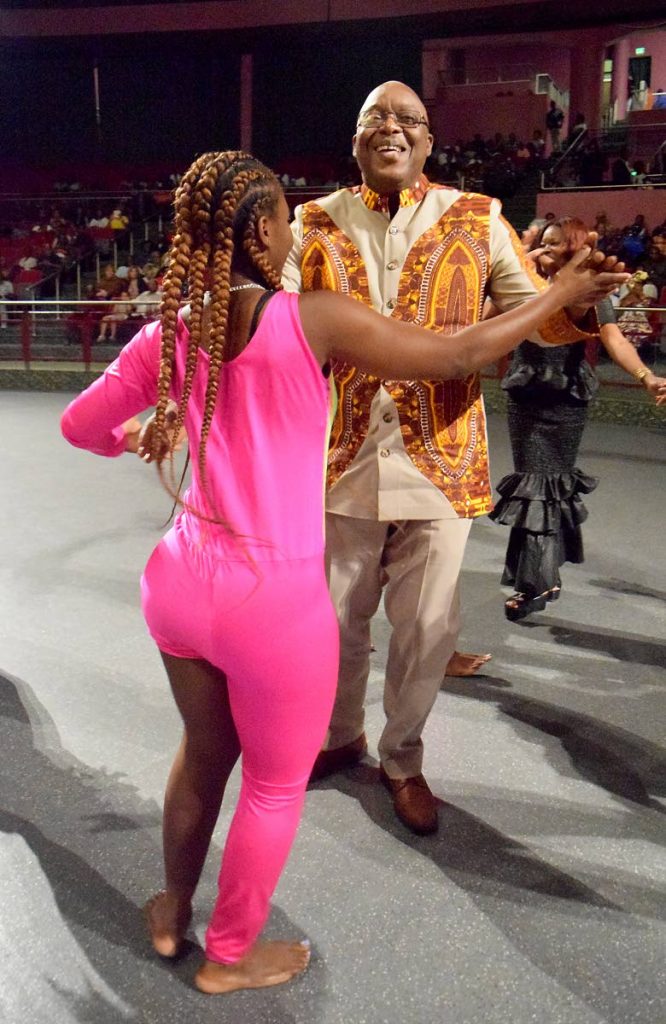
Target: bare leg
point(207, 753)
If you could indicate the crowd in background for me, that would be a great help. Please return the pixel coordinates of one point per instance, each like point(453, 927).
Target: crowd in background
point(38, 244)
point(643, 250)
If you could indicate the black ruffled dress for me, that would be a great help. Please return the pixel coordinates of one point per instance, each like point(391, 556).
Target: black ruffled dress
point(548, 391)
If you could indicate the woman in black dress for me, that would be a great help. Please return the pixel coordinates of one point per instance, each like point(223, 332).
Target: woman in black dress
point(548, 391)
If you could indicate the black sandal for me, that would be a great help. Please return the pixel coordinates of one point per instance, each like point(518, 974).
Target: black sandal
point(519, 605)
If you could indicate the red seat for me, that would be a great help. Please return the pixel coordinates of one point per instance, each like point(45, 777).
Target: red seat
point(28, 277)
point(102, 234)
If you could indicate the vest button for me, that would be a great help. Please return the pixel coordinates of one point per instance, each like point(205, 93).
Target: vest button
point(393, 231)
point(392, 265)
point(392, 303)
point(384, 452)
point(387, 417)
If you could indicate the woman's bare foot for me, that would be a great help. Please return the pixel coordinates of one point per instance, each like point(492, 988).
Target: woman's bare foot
point(167, 922)
point(267, 963)
point(465, 664)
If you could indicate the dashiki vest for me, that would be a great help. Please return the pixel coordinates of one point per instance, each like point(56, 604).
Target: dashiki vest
point(441, 287)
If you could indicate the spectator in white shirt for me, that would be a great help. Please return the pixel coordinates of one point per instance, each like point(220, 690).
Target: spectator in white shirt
point(6, 292)
point(148, 303)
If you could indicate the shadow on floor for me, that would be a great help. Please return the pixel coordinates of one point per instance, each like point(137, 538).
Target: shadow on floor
point(552, 919)
point(624, 647)
point(97, 845)
point(623, 764)
point(625, 587)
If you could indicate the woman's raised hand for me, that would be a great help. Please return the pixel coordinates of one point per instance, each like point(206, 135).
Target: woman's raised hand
point(589, 277)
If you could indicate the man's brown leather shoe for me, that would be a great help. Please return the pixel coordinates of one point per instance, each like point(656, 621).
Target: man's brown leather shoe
point(413, 802)
point(336, 760)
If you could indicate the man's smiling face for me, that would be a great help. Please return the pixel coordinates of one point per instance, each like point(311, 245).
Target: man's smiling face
point(392, 140)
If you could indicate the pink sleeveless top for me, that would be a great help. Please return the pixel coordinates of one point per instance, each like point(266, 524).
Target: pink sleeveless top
point(266, 449)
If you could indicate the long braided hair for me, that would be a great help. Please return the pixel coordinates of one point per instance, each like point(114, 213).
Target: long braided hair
point(217, 205)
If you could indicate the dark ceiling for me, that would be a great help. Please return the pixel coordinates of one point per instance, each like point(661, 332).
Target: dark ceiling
point(45, 5)
point(529, 16)
point(546, 14)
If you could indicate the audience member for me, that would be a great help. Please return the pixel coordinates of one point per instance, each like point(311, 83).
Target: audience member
point(634, 241)
point(120, 310)
point(6, 292)
point(118, 220)
point(554, 122)
point(29, 261)
point(148, 302)
point(109, 283)
point(655, 262)
point(620, 170)
point(634, 322)
point(99, 220)
point(592, 164)
point(134, 281)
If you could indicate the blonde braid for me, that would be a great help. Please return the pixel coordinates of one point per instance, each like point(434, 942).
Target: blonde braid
point(200, 218)
point(217, 205)
point(178, 265)
point(223, 249)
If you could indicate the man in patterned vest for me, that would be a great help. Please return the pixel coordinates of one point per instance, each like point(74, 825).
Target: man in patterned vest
point(408, 460)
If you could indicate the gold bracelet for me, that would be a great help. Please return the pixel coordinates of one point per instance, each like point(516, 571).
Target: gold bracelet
point(641, 373)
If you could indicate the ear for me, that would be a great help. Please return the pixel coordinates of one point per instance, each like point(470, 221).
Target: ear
point(264, 232)
point(354, 146)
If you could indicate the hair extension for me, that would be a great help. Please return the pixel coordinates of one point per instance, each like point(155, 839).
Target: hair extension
point(217, 206)
point(574, 233)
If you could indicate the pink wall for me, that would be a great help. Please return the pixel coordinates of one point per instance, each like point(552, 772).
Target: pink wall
point(655, 47)
point(620, 78)
point(621, 205)
point(506, 106)
point(463, 110)
point(485, 60)
point(549, 60)
point(587, 65)
point(573, 59)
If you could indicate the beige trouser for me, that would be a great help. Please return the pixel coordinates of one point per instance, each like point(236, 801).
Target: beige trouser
point(418, 562)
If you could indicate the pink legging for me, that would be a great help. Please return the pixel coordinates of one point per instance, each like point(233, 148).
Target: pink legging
point(272, 630)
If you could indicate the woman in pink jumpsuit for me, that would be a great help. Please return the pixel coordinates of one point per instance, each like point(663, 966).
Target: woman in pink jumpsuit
point(235, 594)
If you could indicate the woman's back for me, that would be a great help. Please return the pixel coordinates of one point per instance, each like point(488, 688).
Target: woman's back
point(266, 449)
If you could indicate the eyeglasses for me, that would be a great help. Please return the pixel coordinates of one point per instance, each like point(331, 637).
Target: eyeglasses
point(376, 118)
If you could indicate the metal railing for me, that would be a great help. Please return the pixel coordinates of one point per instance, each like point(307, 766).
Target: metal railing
point(77, 342)
point(652, 181)
point(83, 318)
point(508, 74)
point(573, 146)
point(612, 140)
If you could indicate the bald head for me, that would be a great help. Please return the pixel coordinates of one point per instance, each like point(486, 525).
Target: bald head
point(378, 95)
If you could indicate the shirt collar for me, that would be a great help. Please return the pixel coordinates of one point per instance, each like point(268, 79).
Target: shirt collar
point(408, 196)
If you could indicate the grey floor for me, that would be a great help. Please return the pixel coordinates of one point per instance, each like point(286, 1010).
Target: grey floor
point(542, 898)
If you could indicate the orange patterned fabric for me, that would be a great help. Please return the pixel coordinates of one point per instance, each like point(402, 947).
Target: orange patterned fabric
point(408, 196)
point(442, 287)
